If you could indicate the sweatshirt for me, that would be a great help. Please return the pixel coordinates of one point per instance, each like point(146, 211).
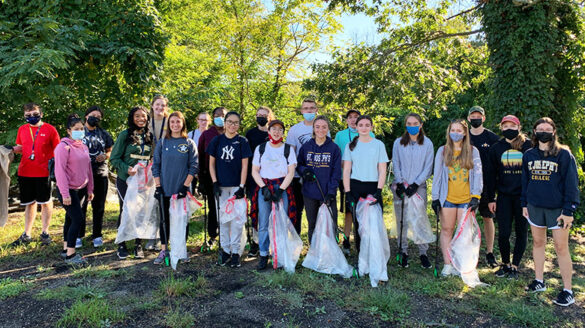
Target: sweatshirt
point(503, 169)
point(412, 163)
point(441, 177)
point(73, 167)
point(174, 159)
point(325, 161)
point(202, 145)
point(550, 182)
point(127, 153)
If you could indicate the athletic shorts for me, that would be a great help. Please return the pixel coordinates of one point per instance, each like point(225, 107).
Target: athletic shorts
point(544, 217)
point(483, 208)
point(34, 190)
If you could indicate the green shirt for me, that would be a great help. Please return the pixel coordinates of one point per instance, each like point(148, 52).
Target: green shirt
point(126, 154)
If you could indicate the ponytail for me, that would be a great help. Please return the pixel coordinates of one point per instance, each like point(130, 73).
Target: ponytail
point(353, 143)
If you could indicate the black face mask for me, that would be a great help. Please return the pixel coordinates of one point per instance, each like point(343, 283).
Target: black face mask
point(261, 120)
point(93, 121)
point(476, 122)
point(510, 134)
point(544, 136)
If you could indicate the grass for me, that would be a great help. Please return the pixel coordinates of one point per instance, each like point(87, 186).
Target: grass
point(10, 288)
point(94, 312)
point(177, 318)
point(100, 271)
point(388, 303)
point(64, 293)
point(176, 287)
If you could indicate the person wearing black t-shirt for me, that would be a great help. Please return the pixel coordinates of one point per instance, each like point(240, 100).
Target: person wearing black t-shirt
point(483, 139)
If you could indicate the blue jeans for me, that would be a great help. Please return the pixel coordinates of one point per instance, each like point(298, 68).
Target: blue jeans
point(448, 204)
point(264, 210)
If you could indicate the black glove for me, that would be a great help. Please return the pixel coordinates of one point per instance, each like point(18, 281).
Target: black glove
point(9, 147)
point(183, 192)
point(201, 188)
point(329, 199)
point(158, 192)
point(411, 190)
point(308, 175)
point(277, 196)
point(239, 193)
point(436, 205)
point(350, 199)
point(473, 204)
point(216, 189)
point(400, 190)
point(266, 193)
point(378, 196)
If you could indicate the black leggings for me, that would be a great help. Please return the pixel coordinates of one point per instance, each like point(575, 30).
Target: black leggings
point(100, 191)
point(312, 208)
point(211, 206)
point(508, 209)
point(73, 215)
point(361, 189)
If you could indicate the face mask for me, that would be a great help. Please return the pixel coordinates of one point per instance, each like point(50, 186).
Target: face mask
point(510, 134)
point(544, 136)
point(93, 121)
point(33, 120)
point(456, 136)
point(274, 141)
point(218, 121)
point(352, 130)
point(309, 116)
point(261, 120)
point(413, 130)
point(476, 122)
point(77, 135)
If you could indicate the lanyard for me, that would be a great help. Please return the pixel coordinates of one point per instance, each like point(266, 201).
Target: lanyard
point(34, 140)
point(162, 128)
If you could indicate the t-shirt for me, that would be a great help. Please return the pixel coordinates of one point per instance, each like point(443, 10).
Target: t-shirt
point(273, 164)
point(483, 142)
point(298, 135)
point(255, 137)
point(364, 159)
point(47, 138)
point(228, 155)
point(195, 135)
point(343, 137)
point(458, 192)
point(97, 141)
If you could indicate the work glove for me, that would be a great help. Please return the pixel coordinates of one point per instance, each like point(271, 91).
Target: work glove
point(201, 188)
point(329, 199)
point(239, 193)
point(183, 192)
point(473, 204)
point(9, 147)
point(308, 175)
point(266, 193)
point(277, 196)
point(216, 189)
point(378, 196)
point(436, 205)
point(350, 199)
point(411, 190)
point(158, 192)
point(400, 190)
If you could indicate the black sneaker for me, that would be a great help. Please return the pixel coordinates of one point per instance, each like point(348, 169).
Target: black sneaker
point(346, 246)
point(491, 260)
point(225, 258)
point(235, 261)
point(63, 254)
point(254, 250)
point(22, 240)
point(46, 239)
point(503, 271)
point(138, 252)
point(122, 252)
point(403, 260)
point(536, 286)
point(513, 273)
point(424, 262)
point(564, 298)
point(262, 263)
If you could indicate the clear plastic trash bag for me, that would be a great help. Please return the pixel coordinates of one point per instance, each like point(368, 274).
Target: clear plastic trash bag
point(417, 220)
point(180, 211)
point(140, 214)
point(374, 245)
point(464, 249)
point(285, 243)
point(324, 255)
point(235, 212)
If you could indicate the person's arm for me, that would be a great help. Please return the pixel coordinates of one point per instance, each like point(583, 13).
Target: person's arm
point(116, 157)
point(301, 161)
point(61, 157)
point(157, 163)
point(437, 181)
point(428, 165)
point(397, 164)
point(347, 163)
point(571, 181)
point(382, 174)
point(193, 159)
point(491, 171)
point(212, 169)
point(244, 172)
point(201, 152)
point(333, 184)
point(289, 177)
point(90, 183)
point(477, 183)
point(55, 139)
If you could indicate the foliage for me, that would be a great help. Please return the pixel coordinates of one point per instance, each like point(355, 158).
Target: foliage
point(10, 287)
point(95, 312)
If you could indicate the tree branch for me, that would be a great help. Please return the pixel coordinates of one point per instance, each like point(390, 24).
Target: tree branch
point(435, 36)
point(465, 11)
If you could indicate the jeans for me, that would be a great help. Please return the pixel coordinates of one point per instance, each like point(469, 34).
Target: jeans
point(264, 210)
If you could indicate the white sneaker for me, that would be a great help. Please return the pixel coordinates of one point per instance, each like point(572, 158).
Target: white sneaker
point(98, 242)
point(78, 243)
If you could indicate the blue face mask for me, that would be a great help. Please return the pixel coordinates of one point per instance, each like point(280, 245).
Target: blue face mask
point(309, 116)
point(456, 136)
point(77, 135)
point(413, 130)
point(218, 121)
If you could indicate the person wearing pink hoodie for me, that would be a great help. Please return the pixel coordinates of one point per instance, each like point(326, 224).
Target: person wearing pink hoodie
point(74, 183)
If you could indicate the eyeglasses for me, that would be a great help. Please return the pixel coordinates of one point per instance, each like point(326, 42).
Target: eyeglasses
point(233, 123)
point(202, 120)
point(277, 130)
point(310, 108)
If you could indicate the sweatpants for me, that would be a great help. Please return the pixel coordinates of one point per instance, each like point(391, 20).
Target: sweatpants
point(298, 192)
point(100, 191)
point(73, 215)
point(508, 209)
point(230, 233)
point(312, 207)
point(398, 210)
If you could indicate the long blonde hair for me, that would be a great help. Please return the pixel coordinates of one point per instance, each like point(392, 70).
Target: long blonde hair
point(465, 158)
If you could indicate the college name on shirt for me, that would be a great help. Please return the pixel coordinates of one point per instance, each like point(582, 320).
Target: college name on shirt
point(319, 159)
point(541, 170)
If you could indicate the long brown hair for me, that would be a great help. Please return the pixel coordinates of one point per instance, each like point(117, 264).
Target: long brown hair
point(554, 146)
point(183, 129)
point(353, 143)
point(405, 139)
point(465, 158)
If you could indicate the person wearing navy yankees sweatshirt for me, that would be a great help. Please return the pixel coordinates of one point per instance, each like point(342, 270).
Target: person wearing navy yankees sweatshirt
point(550, 196)
point(319, 163)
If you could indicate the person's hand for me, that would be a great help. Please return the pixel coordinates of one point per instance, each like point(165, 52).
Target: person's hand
point(525, 212)
point(308, 174)
point(67, 201)
point(473, 204)
point(492, 207)
point(400, 190)
point(158, 192)
point(277, 196)
point(329, 199)
point(266, 193)
point(17, 149)
point(216, 189)
point(350, 199)
point(411, 190)
point(100, 158)
point(436, 206)
point(90, 197)
point(565, 221)
point(183, 192)
point(239, 193)
point(131, 171)
point(378, 196)
point(201, 189)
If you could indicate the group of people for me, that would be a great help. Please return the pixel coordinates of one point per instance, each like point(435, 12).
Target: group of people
point(517, 181)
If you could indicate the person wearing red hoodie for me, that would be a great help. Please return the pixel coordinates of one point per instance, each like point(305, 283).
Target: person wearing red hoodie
point(74, 176)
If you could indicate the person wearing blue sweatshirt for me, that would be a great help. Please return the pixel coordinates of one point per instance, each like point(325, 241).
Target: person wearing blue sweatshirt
point(550, 196)
point(174, 166)
point(319, 163)
point(412, 162)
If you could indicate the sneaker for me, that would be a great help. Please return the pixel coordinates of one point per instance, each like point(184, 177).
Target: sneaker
point(403, 260)
point(122, 252)
point(138, 252)
point(346, 246)
point(564, 298)
point(536, 286)
point(449, 270)
point(98, 242)
point(503, 271)
point(76, 260)
point(78, 243)
point(513, 273)
point(254, 250)
point(22, 240)
point(491, 260)
point(153, 245)
point(235, 261)
point(424, 262)
point(160, 259)
point(63, 254)
point(224, 259)
point(211, 242)
point(46, 239)
point(262, 263)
